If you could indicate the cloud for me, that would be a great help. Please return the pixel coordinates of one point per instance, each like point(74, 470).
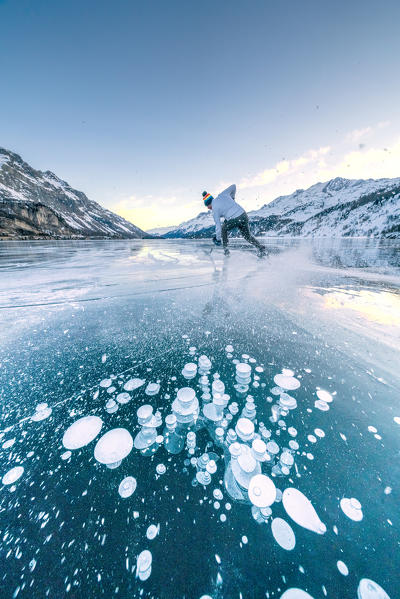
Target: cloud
point(357, 134)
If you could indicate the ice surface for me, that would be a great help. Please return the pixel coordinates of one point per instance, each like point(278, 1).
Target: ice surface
point(162, 306)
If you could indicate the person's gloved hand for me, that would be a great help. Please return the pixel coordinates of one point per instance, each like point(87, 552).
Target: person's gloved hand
point(216, 241)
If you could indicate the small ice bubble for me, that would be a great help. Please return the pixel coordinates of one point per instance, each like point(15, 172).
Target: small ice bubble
point(372, 429)
point(127, 487)
point(321, 405)
point(292, 431)
point(287, 372)
point(143, 565)
point(133, 384)
point(32, 565)
point(104, 358)
point(312, 439)
point(8, 444)
point(222, 518)
point(152, 531)
point(12, 475)
point(105, 383)
point(123, 398)
point(161, 469)
point(387, 490)
point(152, 389)
point(283, 534)
point(66, 455)
point(319, 432)
point(218, 494)
point(324, 395)
point(286, 382)
point(245, 540)
point(217, 559)
point(352, 508)
point(397, 419)
point(343, 569)
point(229, 349)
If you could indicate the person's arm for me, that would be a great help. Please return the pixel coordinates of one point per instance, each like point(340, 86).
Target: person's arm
point(217, 220)
point(231, 190)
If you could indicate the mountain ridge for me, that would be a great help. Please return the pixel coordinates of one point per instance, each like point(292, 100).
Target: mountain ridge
point(335, 208)
point(38, 204)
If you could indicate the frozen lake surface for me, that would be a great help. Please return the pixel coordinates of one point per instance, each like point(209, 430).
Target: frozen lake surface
point(299, 487)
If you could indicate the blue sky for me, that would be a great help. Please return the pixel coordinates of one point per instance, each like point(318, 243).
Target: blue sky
point(142, 105)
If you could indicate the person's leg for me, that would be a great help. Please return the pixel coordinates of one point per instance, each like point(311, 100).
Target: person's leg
point(243, 225)
point(224, 233)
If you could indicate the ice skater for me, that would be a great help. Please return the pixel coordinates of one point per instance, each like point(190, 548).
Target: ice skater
point(224, 206)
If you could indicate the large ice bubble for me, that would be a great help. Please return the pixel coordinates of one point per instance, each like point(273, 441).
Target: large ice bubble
point(82, 432)
point(114, 446)
point(12, 475)
point(301, 511)
point(262, 491)
point(283, 534)
point(368, 589)
point(295, 593)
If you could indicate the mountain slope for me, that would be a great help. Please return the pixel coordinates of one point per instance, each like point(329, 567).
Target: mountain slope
point(340, 207)
point(39, 204)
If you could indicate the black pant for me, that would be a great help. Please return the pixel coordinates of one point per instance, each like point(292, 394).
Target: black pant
point(242, 223)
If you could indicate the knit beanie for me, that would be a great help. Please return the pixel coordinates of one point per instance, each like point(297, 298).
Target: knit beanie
point(207, 197)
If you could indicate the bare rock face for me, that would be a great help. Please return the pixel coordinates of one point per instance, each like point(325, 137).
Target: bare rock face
point(36, 204)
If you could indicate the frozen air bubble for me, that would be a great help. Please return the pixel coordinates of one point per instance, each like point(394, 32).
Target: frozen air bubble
point(66, 455)
point(152, 389)
point(283, 534)
point(397, 419)
point(8, 444)
point(127, 487)
point(12, 475)
point(245, 540)
point(244, 429)
point(343, 569)
point(262, 491)
point(143, 565)
point(42, 412)
point(222, 518)
point(123, 398)
point(321, 405)
point(324, 395)
point(243, 370)
point(372, 429)
point(319, 432)
point(352, 508)
point(133, 384)
point(82, 432)
point(217, 493)
point(229, 349)
point(286, 382)
point(161, 469)
point(312, 439)
point(259, 369)
point(296, 593)
point(273, 447)
point(301, 510)
point(292, 431)
point(152, 531)
point(287, 372)
point(114, 446)
point(287, 401)
point(368, 589)
point(105, 383)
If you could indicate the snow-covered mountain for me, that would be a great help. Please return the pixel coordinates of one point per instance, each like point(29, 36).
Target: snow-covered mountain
point(340, 207)
point(36, 204)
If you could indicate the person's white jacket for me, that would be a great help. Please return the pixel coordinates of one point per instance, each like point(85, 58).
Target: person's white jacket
point(224, 206)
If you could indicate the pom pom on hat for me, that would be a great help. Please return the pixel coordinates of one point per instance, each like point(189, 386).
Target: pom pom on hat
point(207, 197)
